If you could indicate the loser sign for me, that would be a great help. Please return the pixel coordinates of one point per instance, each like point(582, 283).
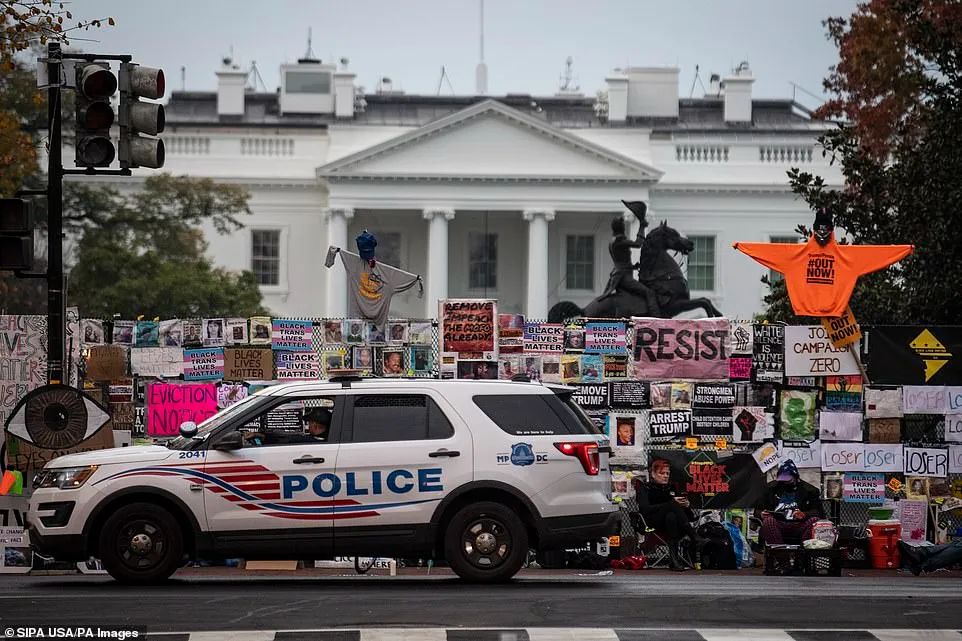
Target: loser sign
point(810, 352)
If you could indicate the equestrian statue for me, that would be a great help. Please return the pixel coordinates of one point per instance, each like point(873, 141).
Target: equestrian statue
point(660, 291)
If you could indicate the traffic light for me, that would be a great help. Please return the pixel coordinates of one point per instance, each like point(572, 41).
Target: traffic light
point(138, 117)
point(96, 83)
point(16, 234)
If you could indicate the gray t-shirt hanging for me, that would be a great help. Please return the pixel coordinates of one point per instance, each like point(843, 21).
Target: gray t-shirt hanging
point(371, 288)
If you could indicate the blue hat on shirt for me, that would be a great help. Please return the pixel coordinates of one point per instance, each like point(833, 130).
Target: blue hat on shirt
point(366, 242)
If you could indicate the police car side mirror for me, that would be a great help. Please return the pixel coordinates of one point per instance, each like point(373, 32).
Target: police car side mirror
point(188, 429)
point(230, 441)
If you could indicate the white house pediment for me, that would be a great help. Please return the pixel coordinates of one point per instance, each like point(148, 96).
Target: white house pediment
point(489, 140)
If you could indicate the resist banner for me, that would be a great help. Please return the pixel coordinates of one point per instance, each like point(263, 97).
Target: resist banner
point(169, 405)
point(469, 326)
point(681, 349)
point(712, 483)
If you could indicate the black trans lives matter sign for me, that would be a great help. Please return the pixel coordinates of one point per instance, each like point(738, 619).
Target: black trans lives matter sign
point(768, 353)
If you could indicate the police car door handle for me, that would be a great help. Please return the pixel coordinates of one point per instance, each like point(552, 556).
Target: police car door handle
point(308, 460)
point(443, 452)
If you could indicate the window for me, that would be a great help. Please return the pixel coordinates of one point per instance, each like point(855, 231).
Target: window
point(299, 422)
point(266, 256)
point(398, 417)
point(308, 82)
point(774, 276)
point(482, 261)
point(701, 264)
point(389, 247)
point(580, 262)
point(532, 414)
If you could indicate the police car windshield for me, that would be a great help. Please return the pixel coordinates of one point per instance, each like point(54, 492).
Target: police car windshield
point(215, 421)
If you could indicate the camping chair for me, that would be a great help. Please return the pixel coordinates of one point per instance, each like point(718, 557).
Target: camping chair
point(654, 544)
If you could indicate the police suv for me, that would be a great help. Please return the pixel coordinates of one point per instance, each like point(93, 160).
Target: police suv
point(474, 472)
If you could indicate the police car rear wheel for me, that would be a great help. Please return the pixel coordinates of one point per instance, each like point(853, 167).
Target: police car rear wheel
point(485, 542)
point(141, 543)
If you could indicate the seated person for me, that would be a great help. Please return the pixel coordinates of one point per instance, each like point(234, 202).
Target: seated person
point(929, 558)
point(318, 421)
point(665, 511)
point(790, 507)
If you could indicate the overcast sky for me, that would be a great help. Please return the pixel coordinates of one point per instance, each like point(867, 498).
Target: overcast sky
point(526, 41)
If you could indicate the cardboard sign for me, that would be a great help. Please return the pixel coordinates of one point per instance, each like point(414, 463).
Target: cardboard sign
point(883, 458)
point(681, 349)
point(544, 338)
point(605, 338)
point(106, 363)
point(469, 326)
point(668, 423)
point(591, 396)
point(883, 403)
point(768, 353)
point(203, 364)
point(157, 361)
point(863, 487)
point(291, 335)
point(884, 430)
point(242, 364)
point(809, 352)
point(169, 405)
point(630, 395)
point(293, 366)
point(914, 516)
point(925, 461)
point(843, 331)
point(843, 457)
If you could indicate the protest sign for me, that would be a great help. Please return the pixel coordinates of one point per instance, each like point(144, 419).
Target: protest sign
point(230, 393)
point(955, 459)
point(713, 395)
point(510, 333)
point(909, 355)
point(626, 438)
point(235, 331)
point(292, 366)
point(681, 349)
point(121, 416)
point(768, 353)
point(550, 367)
point(570, 368)
point(844, 330)
point(953, 399)
point(750, 424)
point(840, 426)
point(766, 456)
point(147, 334)
point(680, 396)
point(169, 405)
point(883, 457)
point(605, 338)
point(843, 457)
point(809, 352)
point(213, 332)
point(544, 338)
point(914, 517)
point(712, 413)
point(248, 364)
point(668, 423)
point(925, 461)
point(743, 338)
point(192, 332)
point(863, 487)
point(615, 366)
point(157, 361)
point(740, 368)
point(630, 395)
point(843, 393)
point(206, 363)
point(796, 415)
point(123, 332)
point(883, 403)
point(804, 457)
point(711, 422)
point(713, 482)
point(92, 332)
point(591, 396)
point(924, 399)
point(171, 333)
point(469, 326)
point(291, 335)
point(260, 330)
point(591, 368)
point(106, 363)
point(884, 430)
point(953, 428)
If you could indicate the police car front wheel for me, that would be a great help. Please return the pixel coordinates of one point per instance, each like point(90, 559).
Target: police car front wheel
point(485, 542)
point(141, 543)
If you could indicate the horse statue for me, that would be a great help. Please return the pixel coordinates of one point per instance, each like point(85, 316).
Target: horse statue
point(658, 271)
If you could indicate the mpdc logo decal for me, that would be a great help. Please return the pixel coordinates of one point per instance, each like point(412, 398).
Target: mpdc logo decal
point(522, 455)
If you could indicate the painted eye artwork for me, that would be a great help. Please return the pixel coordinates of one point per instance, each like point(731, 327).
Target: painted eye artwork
point(56, 417)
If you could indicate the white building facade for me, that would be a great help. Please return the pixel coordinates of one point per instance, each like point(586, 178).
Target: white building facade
point(502, 197)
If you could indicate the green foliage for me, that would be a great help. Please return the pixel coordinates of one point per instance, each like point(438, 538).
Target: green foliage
point(142, 252)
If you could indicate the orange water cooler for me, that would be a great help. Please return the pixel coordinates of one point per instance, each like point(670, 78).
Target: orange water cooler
point(883, 544)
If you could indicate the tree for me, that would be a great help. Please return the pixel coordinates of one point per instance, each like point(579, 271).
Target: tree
point(898, 154)
point(143, 252)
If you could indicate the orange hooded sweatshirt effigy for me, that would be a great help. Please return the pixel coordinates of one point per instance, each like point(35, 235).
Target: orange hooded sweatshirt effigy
point(820, 279)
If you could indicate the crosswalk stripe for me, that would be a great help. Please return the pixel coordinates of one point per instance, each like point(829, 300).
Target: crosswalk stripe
point(404, 634)
point(913, 635)
point(572, 634)
point(247, 635)
point(744, 634)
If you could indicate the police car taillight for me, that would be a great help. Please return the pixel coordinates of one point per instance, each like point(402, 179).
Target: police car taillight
point(585, 452)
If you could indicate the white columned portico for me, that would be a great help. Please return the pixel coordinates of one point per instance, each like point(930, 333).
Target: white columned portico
point(337, 221)
point(536, 301)
point(438, 219)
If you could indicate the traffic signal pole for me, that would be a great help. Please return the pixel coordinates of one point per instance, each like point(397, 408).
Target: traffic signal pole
point(56, 306)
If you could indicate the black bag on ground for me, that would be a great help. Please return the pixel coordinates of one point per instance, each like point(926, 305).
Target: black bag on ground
point(718, 550)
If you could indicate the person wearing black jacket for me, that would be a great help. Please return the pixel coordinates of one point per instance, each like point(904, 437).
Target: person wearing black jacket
point(790, 507)
point(665, 510)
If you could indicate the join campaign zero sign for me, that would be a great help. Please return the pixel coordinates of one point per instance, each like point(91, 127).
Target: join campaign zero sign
point(681, 349)
point(810, 352)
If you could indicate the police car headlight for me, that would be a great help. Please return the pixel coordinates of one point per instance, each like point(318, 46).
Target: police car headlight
point(65, 478)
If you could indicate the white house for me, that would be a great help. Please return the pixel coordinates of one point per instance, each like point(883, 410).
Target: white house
point(508, 197)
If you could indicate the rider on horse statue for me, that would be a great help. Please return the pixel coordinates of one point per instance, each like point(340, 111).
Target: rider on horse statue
point(622, 275)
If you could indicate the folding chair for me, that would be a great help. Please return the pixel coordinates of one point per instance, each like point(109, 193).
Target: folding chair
point(654, 545)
